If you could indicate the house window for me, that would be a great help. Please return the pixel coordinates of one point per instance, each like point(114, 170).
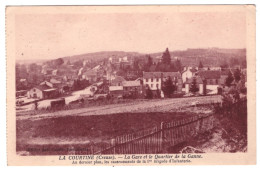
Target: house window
point(152, 80)
point(146, 79)
point(34, 90)
point(157, 79)
point(157, 85)
point(151, 85)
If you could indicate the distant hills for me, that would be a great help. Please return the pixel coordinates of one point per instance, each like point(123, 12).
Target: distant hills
point(211, 56)
point(189, 57)
point(100, 55)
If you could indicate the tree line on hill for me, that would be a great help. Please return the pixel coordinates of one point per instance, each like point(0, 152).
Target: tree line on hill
point(165, 65)
point(147, 64)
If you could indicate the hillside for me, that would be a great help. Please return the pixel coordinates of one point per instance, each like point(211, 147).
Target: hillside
point(209, 57)
point(100, 55)
point(189, 57)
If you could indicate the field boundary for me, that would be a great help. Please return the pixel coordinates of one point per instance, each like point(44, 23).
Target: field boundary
point(157, 139)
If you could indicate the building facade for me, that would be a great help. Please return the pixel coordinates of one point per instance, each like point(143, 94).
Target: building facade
point(42, 92)
point(208, 82)
point(199, 84)
point(155, 80)
point(187, 74)
point(116, 91)
point(132, 88)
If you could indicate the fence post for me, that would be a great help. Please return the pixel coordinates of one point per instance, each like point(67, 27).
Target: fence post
point(92, 148)
point(113, 146)
point(200, 124)
point(162, 136)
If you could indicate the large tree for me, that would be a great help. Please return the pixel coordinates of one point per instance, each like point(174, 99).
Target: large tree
point(229, 79)
point(194, 88)
point(168, 87)
point(149, 60)
point(178, 65)
point(200, 65)
point(237, 75)
point(58, 62)
point(148, 64)
point(149, 93)
point(166, 57)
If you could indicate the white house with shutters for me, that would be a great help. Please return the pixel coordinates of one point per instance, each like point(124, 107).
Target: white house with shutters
point(154, 80)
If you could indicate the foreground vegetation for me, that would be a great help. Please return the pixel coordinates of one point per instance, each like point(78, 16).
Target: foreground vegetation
point(79, 131)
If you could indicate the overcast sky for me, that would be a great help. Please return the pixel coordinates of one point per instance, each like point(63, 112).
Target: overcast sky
point(58, 35)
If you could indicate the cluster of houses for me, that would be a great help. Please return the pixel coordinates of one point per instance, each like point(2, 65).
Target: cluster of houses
point(119, 87)
point(121, 61)
point(209, 80)
point(47, 90)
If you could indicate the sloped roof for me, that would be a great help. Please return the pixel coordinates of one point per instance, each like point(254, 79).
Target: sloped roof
point(152, 74)
point(43, 87)
point(49, 84)
point(193, 70)
point(96, 67)
point(159, 74)
point(131, 83)
point(115, 88)
point(49, 90)
point(23, 80)
point(171, 74)
point(209, 74)
point(139, 79)
point(198, 80)
point(118, 79)
point(55, 81)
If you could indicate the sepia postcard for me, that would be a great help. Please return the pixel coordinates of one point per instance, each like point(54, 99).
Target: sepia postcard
point(131, 85)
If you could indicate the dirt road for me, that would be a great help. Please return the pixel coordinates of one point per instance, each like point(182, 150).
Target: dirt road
point(155, 105)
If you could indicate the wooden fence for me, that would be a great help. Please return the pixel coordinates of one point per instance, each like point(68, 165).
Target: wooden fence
point(157, 139)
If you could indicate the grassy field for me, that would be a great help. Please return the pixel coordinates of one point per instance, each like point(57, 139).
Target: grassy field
point(79, 127)
point(80, 130)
